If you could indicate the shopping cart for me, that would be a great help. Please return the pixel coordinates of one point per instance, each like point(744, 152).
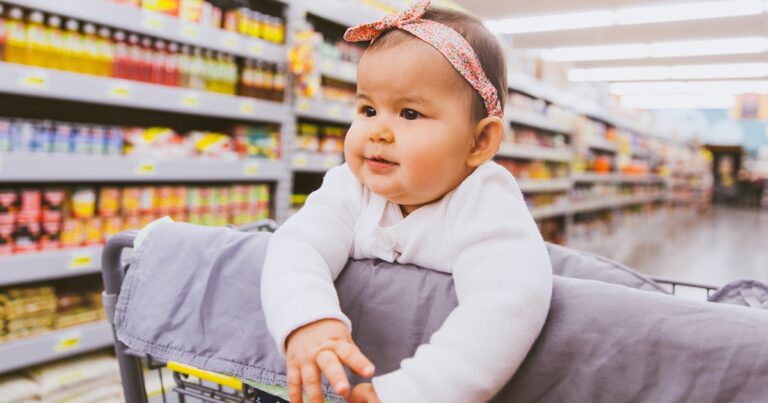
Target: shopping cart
point(188, 382)
point(192, 383)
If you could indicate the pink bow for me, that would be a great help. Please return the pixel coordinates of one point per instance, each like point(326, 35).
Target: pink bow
point(371, 31)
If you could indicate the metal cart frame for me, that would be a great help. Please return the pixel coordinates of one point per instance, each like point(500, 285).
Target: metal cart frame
point(132, 363)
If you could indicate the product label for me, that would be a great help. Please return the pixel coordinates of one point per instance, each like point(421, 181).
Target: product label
point(153, 21)
point(191, 31)
point(303, 105)
point(256, 49)
point(251, 168)
point(119, 91)
point(82, 260)
point(334, 111)
point(37, 80)
point(190, 100)
point(67, 343)
point(230, 41)
point(299, 161)
point(146, 168)
point(247, 107)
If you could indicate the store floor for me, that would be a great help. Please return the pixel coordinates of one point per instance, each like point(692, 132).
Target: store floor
point(726, 245)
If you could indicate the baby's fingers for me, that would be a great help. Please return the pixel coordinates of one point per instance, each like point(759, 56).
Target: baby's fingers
point(294, 384)
point(310, 376)
point(352, 357)
point(331, 366)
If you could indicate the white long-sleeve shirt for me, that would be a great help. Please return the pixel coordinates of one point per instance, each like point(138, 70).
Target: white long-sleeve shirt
point(481, 232)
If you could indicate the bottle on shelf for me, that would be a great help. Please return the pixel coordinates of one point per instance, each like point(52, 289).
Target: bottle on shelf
point(90, 50)
point(157, 75)
point(280, 74)
point(197, 70)
point(3, 33)
point(36, 49)
point(172, 66)
point(106, 55)
point(185, 66)
point(146, 60)
point(16, 43)
point(56, 43)
point(268, 82)
point(73, 61)
point(246, 79)
point(133, 63)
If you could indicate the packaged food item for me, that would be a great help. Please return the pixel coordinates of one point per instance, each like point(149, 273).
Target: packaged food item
point(30, 206)
point(94, 228)
point(50, 236)
point(72, 233)
point(132, 222)
point(9, 206)
point(53, 204)
point(109, 201)
point(147, 200)
point(84, 202)
point(27, 235)
point(6, 238)
point(131, 201)
point(170, 7)
point(112, 227)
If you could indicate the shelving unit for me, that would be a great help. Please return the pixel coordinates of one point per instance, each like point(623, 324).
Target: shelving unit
point(40, 266)
point(335, 112)
point(534, 152)
point(54, 345)
point(538, 121)
point(315, 162)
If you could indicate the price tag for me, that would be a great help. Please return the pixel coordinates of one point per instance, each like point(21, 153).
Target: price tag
point(251, 169)
point(299, 161)
point(190, 100)
point(153, 21)
point(247, 107)
point(230, 41)
point(190, 31)
point(330, 162)
point(67, 343)
point(303, 105)
point(119, 91)
point(81, 260)
point(146, 168)
point(334, 111)
point(256, 49)
point(35, 79)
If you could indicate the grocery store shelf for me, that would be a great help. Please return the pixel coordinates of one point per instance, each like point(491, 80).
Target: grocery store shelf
point(536, 121)
point(616, 178)
point(54, 84)
point(48, 265)
point(158, 25)
point(26, 167)
point(53, 346)
point(544, 185)
point(612, 202)
point(325, 110)
point(540, 213)
point(314, 162)
point(339, 70)
point(534, 152)
point(604, 145)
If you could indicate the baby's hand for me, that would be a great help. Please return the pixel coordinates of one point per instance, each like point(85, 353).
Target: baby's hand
point(364, 393)
point(322, 346)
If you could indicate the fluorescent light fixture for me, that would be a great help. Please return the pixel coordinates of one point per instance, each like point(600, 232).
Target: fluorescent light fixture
point(686, 72)
point(556, 22)
point(607, 52)
point(678, 101)
point(702, 71)
point(688, 11)
point(620, 74)
point(628, 16)
point(708, 47)
point(690, 87)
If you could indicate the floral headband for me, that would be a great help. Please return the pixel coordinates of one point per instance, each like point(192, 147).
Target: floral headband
point(443, 38)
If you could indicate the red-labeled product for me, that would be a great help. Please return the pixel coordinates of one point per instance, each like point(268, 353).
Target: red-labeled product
point(3, 33)
point(132, 222)
point(50, 236)
point(9, 206)
point(6, 239)
point(26, 235)
point(121, 56)
point(53, 204)
point(30, 206)
point(171, 75)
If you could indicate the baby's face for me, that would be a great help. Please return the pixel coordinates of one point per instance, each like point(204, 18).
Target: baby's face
point(413, 132)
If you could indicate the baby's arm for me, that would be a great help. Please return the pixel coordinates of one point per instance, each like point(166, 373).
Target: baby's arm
point(503, 282)
point(300, 303)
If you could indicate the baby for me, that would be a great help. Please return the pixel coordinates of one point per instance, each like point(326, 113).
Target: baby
point(418, 187)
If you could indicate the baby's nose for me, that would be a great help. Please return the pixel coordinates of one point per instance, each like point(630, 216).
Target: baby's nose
point(381, 134)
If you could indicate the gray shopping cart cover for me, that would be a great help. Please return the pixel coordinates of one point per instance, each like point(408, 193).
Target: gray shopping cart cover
point(192, 295)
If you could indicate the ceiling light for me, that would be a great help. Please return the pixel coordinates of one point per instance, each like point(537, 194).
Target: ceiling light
point(557, 22)
point(689, 11)
point(608, 52)
point(690, 87)
point(708, 47)
point(678, 101)
point(742, 70)
point(620, 74)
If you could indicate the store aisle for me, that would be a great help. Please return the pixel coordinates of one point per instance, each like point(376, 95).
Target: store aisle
point(727, 245)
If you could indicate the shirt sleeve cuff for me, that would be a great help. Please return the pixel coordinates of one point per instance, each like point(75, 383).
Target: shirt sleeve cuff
point(287, 327)
point(395, 387)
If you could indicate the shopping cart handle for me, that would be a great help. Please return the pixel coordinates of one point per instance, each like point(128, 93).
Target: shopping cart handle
point(218, 379)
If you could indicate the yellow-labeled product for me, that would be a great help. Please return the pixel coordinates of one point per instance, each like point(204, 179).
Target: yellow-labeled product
point(56, 54)
point(36, 45)
point(106, 52)
point(15, 51)
point(74, 48)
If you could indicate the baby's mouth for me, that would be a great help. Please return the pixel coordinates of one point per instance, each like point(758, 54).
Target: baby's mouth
point(379, 163)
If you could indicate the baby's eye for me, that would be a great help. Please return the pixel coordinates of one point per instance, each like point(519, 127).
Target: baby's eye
point(368, 111)
point(410, 114)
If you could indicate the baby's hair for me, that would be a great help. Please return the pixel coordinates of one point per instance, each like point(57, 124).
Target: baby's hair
point(483, 42)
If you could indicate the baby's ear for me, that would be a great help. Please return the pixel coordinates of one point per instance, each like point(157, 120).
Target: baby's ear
point(489, 133)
